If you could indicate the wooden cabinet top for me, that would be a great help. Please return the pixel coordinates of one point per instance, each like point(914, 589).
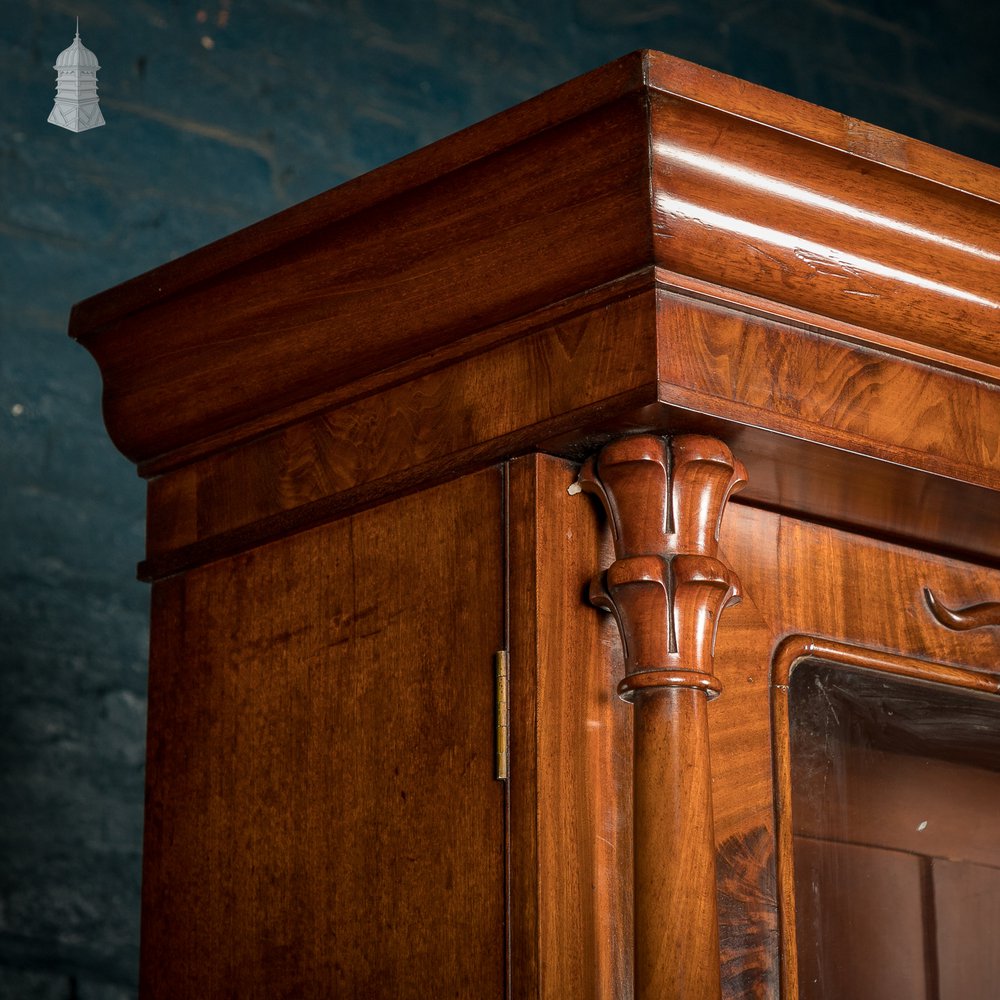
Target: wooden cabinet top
point(821, 292)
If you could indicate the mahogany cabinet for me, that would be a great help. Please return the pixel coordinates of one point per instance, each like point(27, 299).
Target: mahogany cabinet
point(461, 684)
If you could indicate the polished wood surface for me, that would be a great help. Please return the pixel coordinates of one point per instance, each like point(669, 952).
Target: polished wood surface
point(636, 167)
point(818, 228)
point(820, 388)
point(322, 817)
point(855, 267)
point(854, 425)
point(823, 583)
point(664, 499)
point(427, 426)
point(962, 619)
point(571, 749)
point(342, 303)
point(676, 917)
point(657, 71)
point(360, 421)
point(677, 78)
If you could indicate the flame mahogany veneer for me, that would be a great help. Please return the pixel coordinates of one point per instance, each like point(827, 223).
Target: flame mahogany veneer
point(362, 420)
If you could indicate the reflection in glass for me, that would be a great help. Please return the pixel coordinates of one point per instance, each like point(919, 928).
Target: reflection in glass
point(896, 831)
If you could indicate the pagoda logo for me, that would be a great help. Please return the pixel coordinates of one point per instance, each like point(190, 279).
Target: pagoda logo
point(76, 106)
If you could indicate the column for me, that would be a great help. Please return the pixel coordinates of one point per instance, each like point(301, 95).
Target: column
point(667, 588)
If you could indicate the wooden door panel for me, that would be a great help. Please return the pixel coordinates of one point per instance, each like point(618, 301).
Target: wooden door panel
point(862, 917)
point(967, 913)
point(323, 818)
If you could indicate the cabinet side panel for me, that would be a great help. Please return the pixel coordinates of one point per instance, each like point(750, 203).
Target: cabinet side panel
point(566, 663)
point(322, 816)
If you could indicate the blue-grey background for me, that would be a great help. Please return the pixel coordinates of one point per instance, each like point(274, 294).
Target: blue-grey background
point(220, 113)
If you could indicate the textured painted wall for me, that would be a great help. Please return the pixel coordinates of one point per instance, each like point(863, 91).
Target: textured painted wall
point(220, 113)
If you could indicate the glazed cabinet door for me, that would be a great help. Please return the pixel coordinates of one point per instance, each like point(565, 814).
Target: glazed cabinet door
point(885, 726)
point(323, 818)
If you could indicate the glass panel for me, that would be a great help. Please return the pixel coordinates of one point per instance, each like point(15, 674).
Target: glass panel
point(896, 831)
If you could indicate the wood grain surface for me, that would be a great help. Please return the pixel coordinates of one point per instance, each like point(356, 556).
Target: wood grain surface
point(570, 797)
point(632, 73)
point(809, 226)
point(820, 388)
point(322, 817)
point(665, 499)
point(674, 883)
point(652, 249)
point(815, 580)
point(554, 215)
point(849, 591)
point(421, 427)
point(826, 428)
point(571, 756)
point(639, 166)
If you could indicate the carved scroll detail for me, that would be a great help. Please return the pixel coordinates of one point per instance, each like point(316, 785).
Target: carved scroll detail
point(667, 587)
point(963, 619)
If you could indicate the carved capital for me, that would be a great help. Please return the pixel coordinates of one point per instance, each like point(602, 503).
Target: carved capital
point(667, 588)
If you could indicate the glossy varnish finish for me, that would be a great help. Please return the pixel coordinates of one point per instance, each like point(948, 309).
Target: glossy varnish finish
point(818, 387)
point(865, 259)
point(822, 229)
point(571, 759)
point(548, 201)
point(676, 919)
point(667, 589)
point(593, 369)
point(323, 405)
point(339, 303)
point(322, 818)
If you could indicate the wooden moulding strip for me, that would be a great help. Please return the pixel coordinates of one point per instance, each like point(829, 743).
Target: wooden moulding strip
point(792, 651)
point(648, 162)
point(607, 296)
point(943, 359)
point(801, 382)
point(552, 216)
point(809, 227)
point(591, 365)
point(678, 78)
point(448, 421)
point(454, 152)
point(650, 71)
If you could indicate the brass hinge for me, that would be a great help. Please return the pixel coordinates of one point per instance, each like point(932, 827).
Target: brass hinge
point(501, 661)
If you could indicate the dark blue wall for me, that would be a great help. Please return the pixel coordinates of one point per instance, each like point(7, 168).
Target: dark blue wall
point(219, 114)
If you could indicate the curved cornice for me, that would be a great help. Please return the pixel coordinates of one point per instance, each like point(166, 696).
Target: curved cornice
point(649, 163)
